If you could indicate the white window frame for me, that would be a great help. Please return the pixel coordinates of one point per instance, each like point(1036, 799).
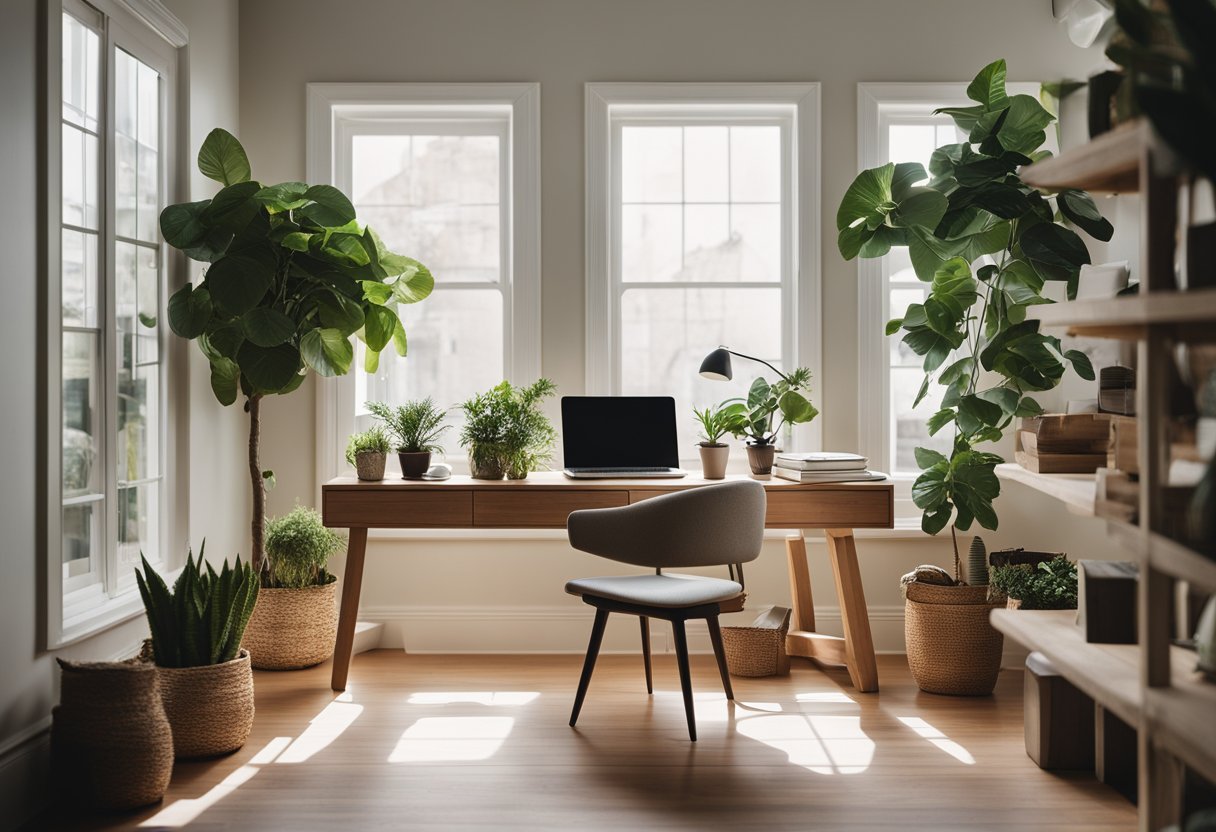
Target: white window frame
point(877, 103)
point(76, 610)
point(331, 106)
point(796, 107)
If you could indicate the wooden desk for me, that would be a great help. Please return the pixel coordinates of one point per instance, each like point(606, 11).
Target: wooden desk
point(545, 499)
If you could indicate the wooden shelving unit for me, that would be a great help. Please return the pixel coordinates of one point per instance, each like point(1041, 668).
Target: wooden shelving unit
point(1152, 685)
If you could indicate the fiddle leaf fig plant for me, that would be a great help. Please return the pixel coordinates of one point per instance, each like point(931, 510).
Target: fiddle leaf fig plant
point(984, 243)
point(291, 277)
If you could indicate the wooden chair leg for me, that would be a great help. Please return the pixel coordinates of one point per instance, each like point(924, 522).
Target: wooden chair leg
point(681, 640)
point(715, 638)
point(646, 651)
point(593, 650)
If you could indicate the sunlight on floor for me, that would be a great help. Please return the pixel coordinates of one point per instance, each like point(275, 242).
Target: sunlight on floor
point(324, 728)
point(452, 738)
point(182, 812)
point(939, 739)
point(474, 697)
point(822, 744)
point(832, 697)
point(271, 750)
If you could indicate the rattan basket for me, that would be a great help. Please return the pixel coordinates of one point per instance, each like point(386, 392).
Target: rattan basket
point(952, 649)
point(292, 628)
point(210, 708)
point(111, 746)
point(756, 651)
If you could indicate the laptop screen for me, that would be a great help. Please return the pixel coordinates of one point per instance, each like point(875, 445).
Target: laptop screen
point(619, 432)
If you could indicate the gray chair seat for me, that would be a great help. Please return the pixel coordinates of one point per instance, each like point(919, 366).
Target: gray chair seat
point(657, 590)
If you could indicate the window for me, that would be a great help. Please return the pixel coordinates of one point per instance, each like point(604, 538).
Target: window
point(896, 124)
point(111, 83)
point(446, 173)
point(701, 231)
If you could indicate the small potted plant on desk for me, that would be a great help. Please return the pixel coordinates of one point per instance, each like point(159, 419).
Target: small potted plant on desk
point(753, 418)
point(417, 427)
point(367, 451)
point(506, 432)
point(296, 619)
point(714, 452)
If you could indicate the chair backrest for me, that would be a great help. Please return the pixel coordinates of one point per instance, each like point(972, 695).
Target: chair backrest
point(707, 526)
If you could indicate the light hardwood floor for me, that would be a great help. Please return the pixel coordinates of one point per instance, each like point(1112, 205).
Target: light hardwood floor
point(481, 742)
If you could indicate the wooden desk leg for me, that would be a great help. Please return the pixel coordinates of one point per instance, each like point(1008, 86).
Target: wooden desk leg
point(858, 642)
point(803, 604)
point(352, 582)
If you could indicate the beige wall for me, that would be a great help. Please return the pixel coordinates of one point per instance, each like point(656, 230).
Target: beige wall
point(218, 507)
point(484, 594)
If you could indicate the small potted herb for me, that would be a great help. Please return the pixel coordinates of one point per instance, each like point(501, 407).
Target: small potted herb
point(1050, 585)
point(417, 427)
point(367, 451)
point(753, 418)
point(506, 432)
point(714, 424)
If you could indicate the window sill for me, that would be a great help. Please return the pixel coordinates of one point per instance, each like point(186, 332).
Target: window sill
point(109, 614)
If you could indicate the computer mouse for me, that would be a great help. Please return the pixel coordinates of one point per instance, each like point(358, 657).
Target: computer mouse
point(438, 471)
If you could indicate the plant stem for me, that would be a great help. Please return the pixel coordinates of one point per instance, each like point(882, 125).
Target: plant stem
point(958, 562)
point(258, 523)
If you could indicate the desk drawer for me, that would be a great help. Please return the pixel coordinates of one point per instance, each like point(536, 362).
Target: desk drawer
point(398, 509)
point(537, 509)
point(817, 509)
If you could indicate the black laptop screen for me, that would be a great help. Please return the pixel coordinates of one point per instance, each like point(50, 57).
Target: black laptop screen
point(619, 432)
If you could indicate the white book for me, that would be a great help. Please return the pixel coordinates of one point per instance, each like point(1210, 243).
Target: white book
point(822, 461)
point(826, 476)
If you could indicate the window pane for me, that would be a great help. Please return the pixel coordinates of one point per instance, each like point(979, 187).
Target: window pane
point(755, 164)
point(651, 164)
point(137, 115)
point(147, 195)
point(651, 245)
point(81, 73)
point(138, 525)
point(456, 349)
point(756, 230)
point(706, 164)
point(147, 316)
point(708, 248)
point(80, 404)
point(79, 278)
point(148, 118)
point(81, 528)
point(79, 171)
point(909, 427)
point(665, 333)
point(126, 185)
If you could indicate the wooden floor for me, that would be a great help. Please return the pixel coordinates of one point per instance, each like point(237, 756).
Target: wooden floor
point(481, 742)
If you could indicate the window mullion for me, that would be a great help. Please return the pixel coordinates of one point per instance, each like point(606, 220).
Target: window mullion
point(108, 349)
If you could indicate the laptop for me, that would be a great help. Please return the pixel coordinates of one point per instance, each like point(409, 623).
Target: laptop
point(620, 436)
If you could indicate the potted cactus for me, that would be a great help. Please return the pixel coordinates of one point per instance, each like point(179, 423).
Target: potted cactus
point(206, 681)
point(367, 451)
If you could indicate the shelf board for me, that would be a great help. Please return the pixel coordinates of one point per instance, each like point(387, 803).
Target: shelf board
point(1181, 561)
point(1193, 313)
point(1180, 717)
point(1108, 164)
point(1109, 673)
point(1076, 491)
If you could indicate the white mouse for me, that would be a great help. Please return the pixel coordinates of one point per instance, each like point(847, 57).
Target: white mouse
point(438, 471)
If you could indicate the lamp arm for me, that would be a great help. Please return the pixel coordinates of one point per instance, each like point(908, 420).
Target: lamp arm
point(784, 377)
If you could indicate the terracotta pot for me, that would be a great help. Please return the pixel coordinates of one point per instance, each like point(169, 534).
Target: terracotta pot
point(760, 458)
point(369, 465)
point(210, 708)
point(414, 465)
point(293, 628)
point(713, 460)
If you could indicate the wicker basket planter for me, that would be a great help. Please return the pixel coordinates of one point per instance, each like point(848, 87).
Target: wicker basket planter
point(111, 744)
point(756, 651)
point(370, 465)
point(210, 708)
point(952, 649)
point(293, 628)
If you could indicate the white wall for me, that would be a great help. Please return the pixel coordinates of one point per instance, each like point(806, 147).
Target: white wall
point(218, 508)
point(461, 594)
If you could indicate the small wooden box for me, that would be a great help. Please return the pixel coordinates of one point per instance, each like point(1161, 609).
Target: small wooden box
point(1070, 433)
point(1106, 601)
point(1058, 718)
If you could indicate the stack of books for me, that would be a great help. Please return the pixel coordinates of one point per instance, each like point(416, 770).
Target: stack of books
point(824, 466)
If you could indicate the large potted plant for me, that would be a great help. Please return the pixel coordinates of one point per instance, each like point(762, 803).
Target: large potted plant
point(715, 453)
point(206, 682)
point(296, 619)
point(291, 277)
point(505, 431)
point(984, 243)
point(416, 426)
point(754, 418)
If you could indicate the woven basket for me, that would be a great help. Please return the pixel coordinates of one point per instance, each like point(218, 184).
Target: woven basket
point(210, 708)
point(756, 651)
point(111, 746)
point(293, 628)
point(370, 465)
point(952, 649)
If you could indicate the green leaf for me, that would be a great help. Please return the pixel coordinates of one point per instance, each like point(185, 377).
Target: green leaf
point(893, 326)
point(298, 240)
point(233, 207)
point(932, 522)
point(415, 283)
point(371, 361)
point(400, 343)
point(222, 158)
point(922, 208)
point(988, 88)
point(268, 369)
point(757, 393)
point(927, 458)
point(182, 225)
point(286, 196)
point(795, 408)
point(1023, 129)
point(327, 206)
point(906, 175)
point(868, 199)
point(1081, 364)
point(930, 489)
point(1028, 407)
point(327, 351)
point(1081, 211)
point(975, 413)
point(1003, 397)
point(189, 311)
point(239, 280)
point(939, 420)
point(1055, 252)
point(267, 327)
point(376, 292)
point(378, 327)
point(225, 375)
point(341, 313)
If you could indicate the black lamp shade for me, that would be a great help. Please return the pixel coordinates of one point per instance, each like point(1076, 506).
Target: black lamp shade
point(716, 365)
